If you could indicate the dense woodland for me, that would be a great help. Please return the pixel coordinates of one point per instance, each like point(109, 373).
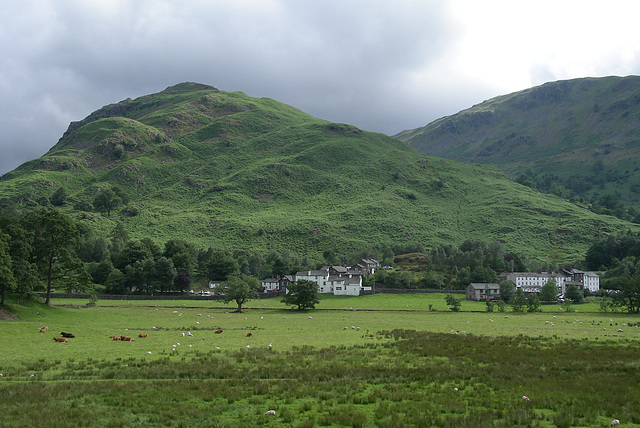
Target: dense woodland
point(47, 250)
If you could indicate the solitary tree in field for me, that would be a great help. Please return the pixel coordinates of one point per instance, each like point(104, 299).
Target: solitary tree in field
point(303, 294)
point(507, 290)
point(240, 288)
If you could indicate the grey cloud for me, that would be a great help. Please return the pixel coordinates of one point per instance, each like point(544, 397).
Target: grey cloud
point(341, 61)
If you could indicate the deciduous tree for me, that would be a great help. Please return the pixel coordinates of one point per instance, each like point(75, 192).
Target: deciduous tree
point(519, 301)
point(240, 288)
point(107, 200)
point(507, 290)
point(629, 295)
point(7, 281)
point(549, 291)
point(54, 235)
point(303, 294)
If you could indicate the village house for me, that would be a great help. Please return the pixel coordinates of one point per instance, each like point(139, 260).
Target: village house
point(276, 284)
point(483, 291)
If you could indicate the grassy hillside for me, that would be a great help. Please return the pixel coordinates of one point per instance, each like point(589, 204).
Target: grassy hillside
point(583, 134)
point(234, 172)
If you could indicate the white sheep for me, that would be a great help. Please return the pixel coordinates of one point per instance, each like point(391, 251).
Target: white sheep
point(270, 412)
point(615, 422)
point(525, 398)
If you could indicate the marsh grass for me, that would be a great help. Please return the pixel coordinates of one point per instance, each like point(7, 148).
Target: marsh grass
point(400, 369)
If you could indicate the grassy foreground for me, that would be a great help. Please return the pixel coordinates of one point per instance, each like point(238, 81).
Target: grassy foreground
point(370, 361)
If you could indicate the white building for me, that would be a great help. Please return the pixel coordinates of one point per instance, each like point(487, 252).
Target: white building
point(533, 282)
point(336, 280)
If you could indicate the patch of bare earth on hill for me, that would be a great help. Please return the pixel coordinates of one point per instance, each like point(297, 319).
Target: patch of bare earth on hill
point(5, 316)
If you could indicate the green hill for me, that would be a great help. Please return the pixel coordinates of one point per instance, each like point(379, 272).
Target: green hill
point(231, 171)
point(582, 134)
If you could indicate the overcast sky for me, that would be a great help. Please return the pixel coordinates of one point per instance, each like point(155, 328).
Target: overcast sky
point(383, 66)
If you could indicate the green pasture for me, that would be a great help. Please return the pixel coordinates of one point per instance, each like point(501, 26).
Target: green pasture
point(383, 360)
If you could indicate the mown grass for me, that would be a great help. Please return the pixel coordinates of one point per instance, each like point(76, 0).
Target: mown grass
point(398, 366)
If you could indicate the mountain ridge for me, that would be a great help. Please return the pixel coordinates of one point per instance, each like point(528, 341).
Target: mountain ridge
point(228, 170)
point(565, 128)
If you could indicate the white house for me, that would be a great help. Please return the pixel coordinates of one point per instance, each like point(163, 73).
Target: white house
point(337, 280)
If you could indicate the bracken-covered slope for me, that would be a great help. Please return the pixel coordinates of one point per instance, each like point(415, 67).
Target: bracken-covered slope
point(585, 132)
point(230, 171)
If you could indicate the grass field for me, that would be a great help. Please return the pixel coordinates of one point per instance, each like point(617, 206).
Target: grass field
point(383, 360)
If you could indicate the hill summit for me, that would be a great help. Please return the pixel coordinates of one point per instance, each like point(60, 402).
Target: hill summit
point(230, 171)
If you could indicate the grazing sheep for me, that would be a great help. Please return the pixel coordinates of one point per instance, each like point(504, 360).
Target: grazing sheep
point(619, 330)
point(189, 334)
point(615, 422)
point(525, 398)
point(455, 389)
point(270, 412)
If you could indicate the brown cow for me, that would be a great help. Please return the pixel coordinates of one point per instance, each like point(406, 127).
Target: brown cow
point(127, 339)
point(249, 334)
point(60, 339)
point(218, 331)
point(143, 335)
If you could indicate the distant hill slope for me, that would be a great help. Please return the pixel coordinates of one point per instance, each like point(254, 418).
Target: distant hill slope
point(583, 134)
point(230, 171)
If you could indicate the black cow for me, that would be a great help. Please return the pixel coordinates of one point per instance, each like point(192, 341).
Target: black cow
point(63, 334)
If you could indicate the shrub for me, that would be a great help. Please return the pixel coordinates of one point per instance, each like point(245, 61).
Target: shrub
point(453, 303)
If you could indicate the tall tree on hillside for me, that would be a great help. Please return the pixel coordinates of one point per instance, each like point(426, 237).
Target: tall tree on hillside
point(240, 288)
point(303, 294)
point(54, 235)
point(107, 200)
